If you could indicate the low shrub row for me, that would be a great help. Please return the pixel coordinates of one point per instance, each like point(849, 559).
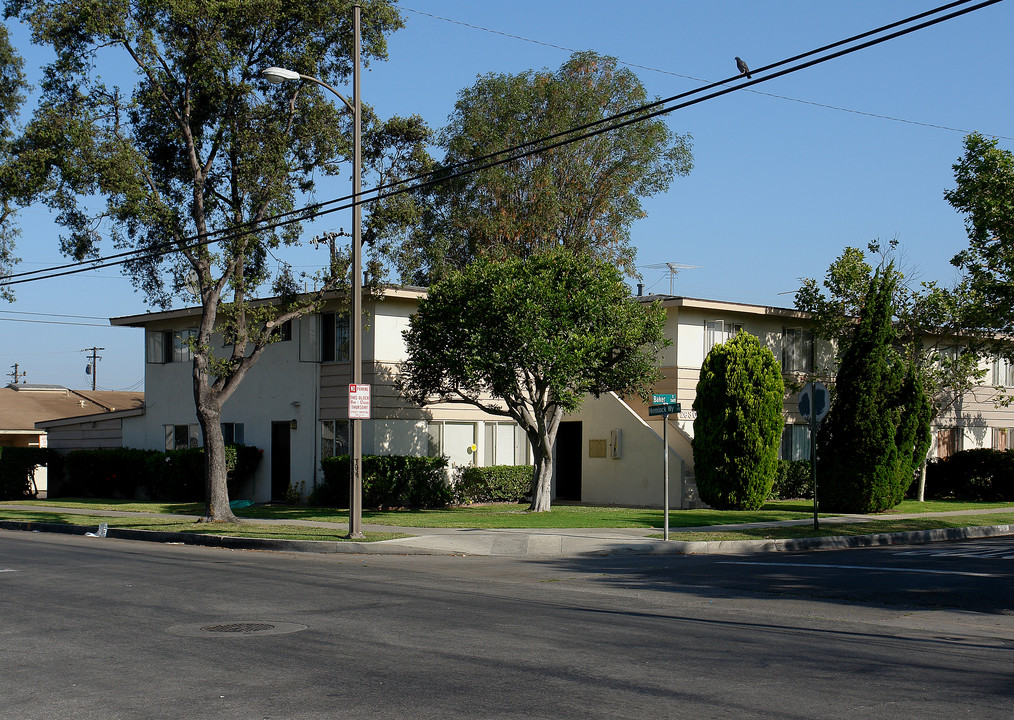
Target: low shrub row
point(972, 475)
point(17, 465)
point(497, 483)
point(174, 476)
point(388, 481)
point(420, 482)
point(792, 481)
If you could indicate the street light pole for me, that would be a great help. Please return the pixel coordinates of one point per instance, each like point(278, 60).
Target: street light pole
point(356, 312)
point(278, 75)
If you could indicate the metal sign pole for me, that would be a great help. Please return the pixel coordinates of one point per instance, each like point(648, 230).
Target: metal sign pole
point(665, 473)
point(813, 466)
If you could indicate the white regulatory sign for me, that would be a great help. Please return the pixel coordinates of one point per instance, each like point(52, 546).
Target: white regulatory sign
point(359, 402)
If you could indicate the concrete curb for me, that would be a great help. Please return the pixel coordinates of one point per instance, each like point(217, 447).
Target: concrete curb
point(221, 541)
point(599, 547)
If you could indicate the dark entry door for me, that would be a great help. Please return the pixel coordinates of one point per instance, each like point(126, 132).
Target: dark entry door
point(281, 445)
point(568, 461)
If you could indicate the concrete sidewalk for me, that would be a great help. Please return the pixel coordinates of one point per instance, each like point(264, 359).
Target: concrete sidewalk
point(554, 542)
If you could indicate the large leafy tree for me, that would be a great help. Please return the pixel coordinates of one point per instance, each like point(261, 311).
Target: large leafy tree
point(582, 196)
point(930, 325)
point(528, 339)
point(738, 424)
point(199, 144)
point(984, 194)
point(12, 85)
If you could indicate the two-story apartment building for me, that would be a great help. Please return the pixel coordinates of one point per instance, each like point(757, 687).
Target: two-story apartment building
point(294, 403)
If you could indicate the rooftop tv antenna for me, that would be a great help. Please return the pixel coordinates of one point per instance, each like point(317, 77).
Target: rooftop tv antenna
point(674, 270)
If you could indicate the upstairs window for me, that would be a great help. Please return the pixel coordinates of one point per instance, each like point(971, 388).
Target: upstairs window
point(170, 346)
point(1003, 373)
point(717, 332)
point(797, 350)
point(334, 337)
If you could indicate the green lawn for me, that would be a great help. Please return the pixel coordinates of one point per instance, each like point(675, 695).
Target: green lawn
point(836, 530)
point(512, 516)
point(246, 529)
point(477, 516)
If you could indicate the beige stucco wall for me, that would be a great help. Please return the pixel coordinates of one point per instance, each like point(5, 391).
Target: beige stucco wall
point(636, 477)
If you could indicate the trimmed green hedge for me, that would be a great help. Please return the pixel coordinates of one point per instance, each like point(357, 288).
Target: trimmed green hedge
point(174, 476)
point(388, 481)
point(497, 483)
point(17, 464)
point(972, 475)
point(793, 481)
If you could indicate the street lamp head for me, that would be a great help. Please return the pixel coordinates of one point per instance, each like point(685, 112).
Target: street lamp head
point(276, 75)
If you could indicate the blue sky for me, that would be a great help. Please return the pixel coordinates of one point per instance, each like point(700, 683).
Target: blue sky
point(781, 183)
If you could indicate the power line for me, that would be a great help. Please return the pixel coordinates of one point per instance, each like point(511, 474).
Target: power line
point(533, 147)
point(671, 73)
point(52, 322)
point(45, 314)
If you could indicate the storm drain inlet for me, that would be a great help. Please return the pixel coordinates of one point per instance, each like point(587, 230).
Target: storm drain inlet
point(237, 629)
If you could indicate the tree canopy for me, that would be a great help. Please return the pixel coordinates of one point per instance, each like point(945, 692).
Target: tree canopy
point(197, 145)
point(930, 322)
point(583, 196)
point(738, 424)
point(12, 86)
point(984, 194)
point(878, 421)
point(528, 338)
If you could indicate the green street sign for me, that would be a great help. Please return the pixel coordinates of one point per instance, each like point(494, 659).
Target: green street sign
point(663, 409)
point(663, 400)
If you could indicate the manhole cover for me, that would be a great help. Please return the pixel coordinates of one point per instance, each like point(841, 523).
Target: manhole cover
point(236, 629)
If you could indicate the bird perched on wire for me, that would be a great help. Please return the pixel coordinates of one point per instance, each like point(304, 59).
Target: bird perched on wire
point(743, 69)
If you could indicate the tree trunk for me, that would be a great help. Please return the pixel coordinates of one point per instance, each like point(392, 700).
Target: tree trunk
point(922, 482)
point(542, 479)
point(543, 437)
point(216, 491)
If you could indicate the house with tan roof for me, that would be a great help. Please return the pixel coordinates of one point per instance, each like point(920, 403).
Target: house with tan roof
point(33, 415)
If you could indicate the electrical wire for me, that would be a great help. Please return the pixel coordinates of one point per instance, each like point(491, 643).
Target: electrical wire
point(671, 73)
point(613, 122)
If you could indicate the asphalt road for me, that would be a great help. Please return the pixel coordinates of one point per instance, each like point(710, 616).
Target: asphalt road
point(104, 628)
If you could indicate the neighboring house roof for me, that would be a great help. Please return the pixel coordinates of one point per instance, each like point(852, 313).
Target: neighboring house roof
point(22, 406)
point(402, 292)
point(723, 306)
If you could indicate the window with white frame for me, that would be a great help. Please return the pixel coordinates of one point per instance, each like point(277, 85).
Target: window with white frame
point(717, 332)
point(170, 346)
point(233, 433)
point(797, 350)
point(949, 441)
point(334, 438)
point(505, 443)
point(334, 337)
point(1002, 438)
point(178, 437)
point(795, 443)
point(1003, 373)
point(453, 440)
point(283, 332)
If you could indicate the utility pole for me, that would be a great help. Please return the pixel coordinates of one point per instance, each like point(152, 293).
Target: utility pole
point(16, 374)
point(92, 368)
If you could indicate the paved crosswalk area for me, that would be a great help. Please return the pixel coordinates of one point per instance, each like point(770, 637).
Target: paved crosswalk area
point(997, 549)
